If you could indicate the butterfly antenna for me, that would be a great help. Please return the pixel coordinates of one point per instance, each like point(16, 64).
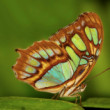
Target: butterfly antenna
point(96, 75)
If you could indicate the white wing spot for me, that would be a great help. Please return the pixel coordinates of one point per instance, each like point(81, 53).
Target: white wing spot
point(83, 23)
point(78, 27)
point(70, 32)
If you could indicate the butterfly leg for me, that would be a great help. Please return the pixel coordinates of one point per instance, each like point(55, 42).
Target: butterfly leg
point(61, 92)
point(79, 89)
point(76, 100)
point(77, 95)
point(56, 96)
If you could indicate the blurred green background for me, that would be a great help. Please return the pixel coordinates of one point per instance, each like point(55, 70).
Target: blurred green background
point(23, 22)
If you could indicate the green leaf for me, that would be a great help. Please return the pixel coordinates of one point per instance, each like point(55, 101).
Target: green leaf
point(97, 103)
point(23, 103)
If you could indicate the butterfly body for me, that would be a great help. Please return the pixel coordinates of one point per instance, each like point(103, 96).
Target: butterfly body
point(61, 64)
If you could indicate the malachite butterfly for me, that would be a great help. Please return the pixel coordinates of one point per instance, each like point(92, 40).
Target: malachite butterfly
point(61, 64)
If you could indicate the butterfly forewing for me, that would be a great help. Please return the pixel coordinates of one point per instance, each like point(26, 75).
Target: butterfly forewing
point(66, 59)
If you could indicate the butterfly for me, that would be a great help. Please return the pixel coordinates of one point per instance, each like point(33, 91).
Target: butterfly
point(62, 63)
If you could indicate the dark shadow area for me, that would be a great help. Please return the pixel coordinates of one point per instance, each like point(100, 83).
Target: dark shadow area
point(95, 108)
point(103, 2)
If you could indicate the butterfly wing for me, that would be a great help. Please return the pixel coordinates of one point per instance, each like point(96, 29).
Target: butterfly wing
point(66, 59)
